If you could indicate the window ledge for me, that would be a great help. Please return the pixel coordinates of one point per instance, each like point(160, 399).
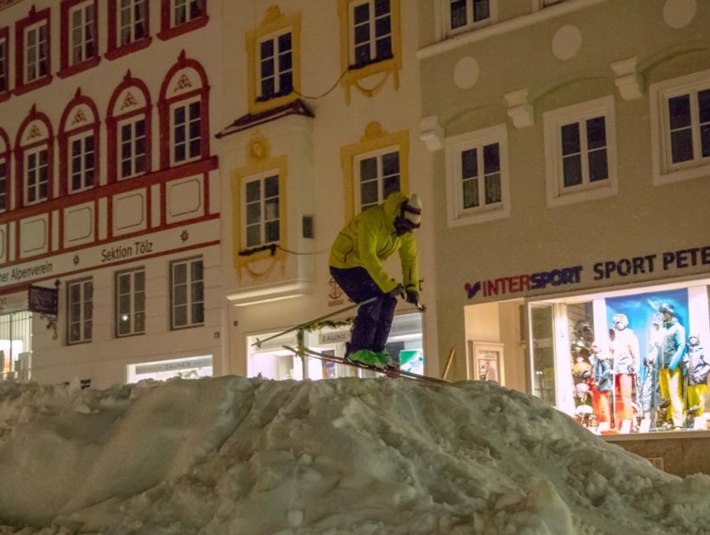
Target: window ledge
point(129, 48)
point(169, 33)
point(26, 88)
point(71, 70)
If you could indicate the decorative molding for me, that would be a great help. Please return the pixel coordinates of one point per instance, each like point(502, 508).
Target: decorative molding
point(628, 80)
point(521, 112)
point(258, 148)
point(431, 133)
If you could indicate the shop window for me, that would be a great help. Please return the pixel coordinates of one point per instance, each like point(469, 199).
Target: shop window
point(681, 127)
point(477, 176)
point(33, 51)
point(468, 14)
point(129, 27)
point(79, 48)
point(130, 302)
point(581, 152)
point(187, 293)
point(4, 63)
point(180, 16)
point(186, 132)
point(80, 306)
point(273, 51)
point(261, 209)
point(543, 352)
point(377, 175)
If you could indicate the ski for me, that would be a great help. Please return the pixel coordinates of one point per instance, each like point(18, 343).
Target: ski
point(389, 372)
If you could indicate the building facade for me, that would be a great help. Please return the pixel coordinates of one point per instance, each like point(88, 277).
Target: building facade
point(109, 190)
point(323, 106)
point(572, 139)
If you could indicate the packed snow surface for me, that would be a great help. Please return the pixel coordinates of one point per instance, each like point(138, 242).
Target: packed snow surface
point(235, 456)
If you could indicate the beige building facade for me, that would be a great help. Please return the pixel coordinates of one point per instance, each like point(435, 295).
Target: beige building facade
point(571, 141)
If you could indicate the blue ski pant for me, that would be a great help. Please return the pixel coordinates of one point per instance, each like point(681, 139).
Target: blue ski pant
point(374, 320)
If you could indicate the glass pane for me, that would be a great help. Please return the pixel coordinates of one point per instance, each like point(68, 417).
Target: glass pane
point(272, 209)
point(268, 88)
point(272, 231)
point(491, 158)
point(124, 284)
point(271, 186)
point(285, 62)
point(197, 271)
point(267, 67)
point(179, 273)
point(705, 140)
point(470, 193)
point(390, 163)
point(543, 353)
point(140, 323)
point(286, 83)
point(598, 168)
point(253, 191)
point(362, 55)
point(368, 193)
point(469, 163)
point(572, 171)
point(458, 13)
point(493, 189)
point(570, 139)
point(481, 10)
point(253, 235)
point(704, 105)
point(139, 281)
point(596, 133)
point(180, 294)
point(198, 313)
point(390, 185)
point(361, 13)
point(383, 26)
point(368, 169)
point(285, 42)
point(382, 7)
point(253, 213)
point(679, 111)
point(362, 34)
point(267, 49)
point(180, 316)
point(384, 48)
point(197, 293)
point(681, 145)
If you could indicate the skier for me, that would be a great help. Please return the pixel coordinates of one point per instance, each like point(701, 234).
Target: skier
point(356, 259)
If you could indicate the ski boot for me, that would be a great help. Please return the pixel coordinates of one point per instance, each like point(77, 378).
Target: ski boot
point(385, 358)
point(366, 357)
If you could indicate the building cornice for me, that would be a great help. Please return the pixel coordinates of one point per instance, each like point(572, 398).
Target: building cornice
point(504, 27)
point(7, 3)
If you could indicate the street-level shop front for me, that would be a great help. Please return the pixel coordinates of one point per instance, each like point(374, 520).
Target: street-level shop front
point(267, 356)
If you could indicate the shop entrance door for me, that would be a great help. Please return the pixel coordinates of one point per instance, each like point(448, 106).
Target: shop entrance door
point(542, 350)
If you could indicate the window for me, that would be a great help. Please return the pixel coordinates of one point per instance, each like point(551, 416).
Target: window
point(681, 127)
point(132, 21)
point(4, 62)
point(82, 32)
point(81, 162)
point(186, 10)
point(36, 175)
point(276, 66)
point(4, 167)
point(130, 302)
point(132, 148)
point(261, 210)
point(581, 151)
point(377, 176)
point(477, 176)
point(186, 132)
point(371, 36)
point(36, 53)
point(465, 14)
point(80, 307)
point(187, 293)
point(180, 16)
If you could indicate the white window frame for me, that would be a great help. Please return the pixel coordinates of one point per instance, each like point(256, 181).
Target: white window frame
point(543, 4)
point(664, 170)
point(82, 170)
point(373, 37)
point(470, 23)
point(263, 203)
point(87, 32)
point(136, 303)
point(453, 148)
point(133, 158)
point(84, 305)
point(554, 120)
point(187, 125)
point(278, 72)
point(380, 177)
point(4, 183)
point(130, 26)
point(33, 180)
point(191, 286)
point(33, 70)
point(4, 65)
point(177, 5)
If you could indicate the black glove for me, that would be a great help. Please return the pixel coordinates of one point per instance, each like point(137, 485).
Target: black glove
point(398, 292)
point(412, 296)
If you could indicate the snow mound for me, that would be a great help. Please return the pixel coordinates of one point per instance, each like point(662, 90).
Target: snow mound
point(235, 456)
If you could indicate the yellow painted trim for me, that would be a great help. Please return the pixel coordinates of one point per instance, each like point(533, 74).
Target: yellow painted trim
point(274, 22)
point(385, 68)
point(259, 162)
point(375, 138)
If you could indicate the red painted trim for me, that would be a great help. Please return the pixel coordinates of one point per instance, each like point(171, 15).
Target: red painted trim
point(65, 132)
point(6, 155)
point(32, 18)
point(20, 150)
point(115, 50)
point(113, 118)
point(168, 32)
point(6, 290)
point(65, 37)
point(5, 35)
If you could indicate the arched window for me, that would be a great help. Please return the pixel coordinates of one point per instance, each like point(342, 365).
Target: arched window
point(184, 113)
point(4, 172)
point(34, 159)
point(78, 145)
point(129, 130)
